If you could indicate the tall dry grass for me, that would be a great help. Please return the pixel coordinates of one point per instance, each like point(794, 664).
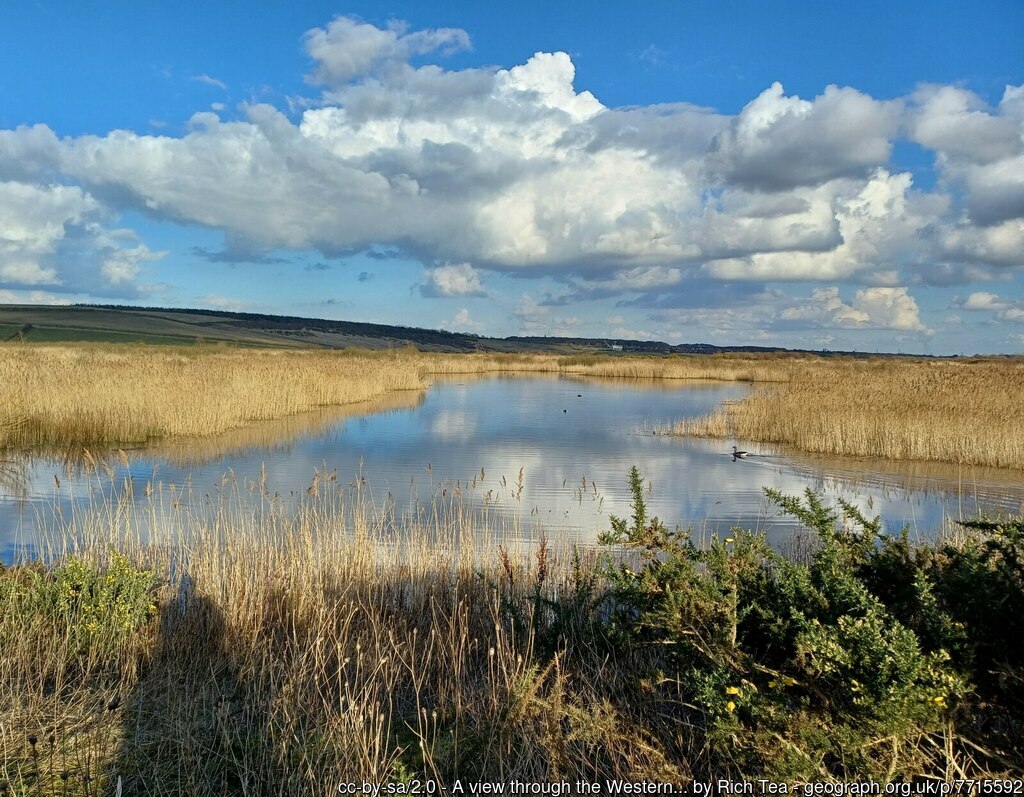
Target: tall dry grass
point(290, 651)
point(729, 367)
point(65, 395)
point(89, 394)
point(967, 412)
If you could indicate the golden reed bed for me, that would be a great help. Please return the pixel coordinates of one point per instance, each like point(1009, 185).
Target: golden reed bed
point(956, 411)
point(967, 412)
point(83, 394)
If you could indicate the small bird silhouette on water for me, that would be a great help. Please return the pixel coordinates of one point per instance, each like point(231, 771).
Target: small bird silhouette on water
point(565, 410)
point(736, 454)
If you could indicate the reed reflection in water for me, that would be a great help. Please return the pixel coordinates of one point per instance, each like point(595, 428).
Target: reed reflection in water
point(536, 453)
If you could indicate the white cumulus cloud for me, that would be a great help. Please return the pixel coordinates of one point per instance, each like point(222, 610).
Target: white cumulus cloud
point(1009, 310)
point(779, 142)
point(463, 322)
point(460, 279)
point(518, 170)
point(55, 235)
point(979, 148)
point(844, 227)
point(871, 308)
point(348, 48)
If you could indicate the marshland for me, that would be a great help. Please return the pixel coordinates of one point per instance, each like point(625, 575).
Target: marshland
point(255, 571)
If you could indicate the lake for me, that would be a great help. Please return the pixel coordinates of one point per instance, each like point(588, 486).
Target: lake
point(541, 454)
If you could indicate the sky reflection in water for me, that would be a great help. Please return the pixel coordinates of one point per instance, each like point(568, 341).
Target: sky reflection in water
point(574, 439)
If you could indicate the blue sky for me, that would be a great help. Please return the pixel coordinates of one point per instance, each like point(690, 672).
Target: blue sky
point(792, 173)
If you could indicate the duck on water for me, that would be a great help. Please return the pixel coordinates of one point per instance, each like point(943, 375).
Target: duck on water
point(737, 454)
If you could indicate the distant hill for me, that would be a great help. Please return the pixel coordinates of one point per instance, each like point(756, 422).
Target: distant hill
point(112, 323)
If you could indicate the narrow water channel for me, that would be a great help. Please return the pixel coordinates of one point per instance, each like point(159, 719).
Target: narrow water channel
point(541, 453)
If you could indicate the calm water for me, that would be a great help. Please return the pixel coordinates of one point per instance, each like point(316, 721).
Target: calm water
point(573, 441)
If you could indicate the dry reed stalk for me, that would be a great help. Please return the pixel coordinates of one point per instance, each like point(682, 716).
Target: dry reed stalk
point(298, 648)
point(82, 394)
point(966, 412)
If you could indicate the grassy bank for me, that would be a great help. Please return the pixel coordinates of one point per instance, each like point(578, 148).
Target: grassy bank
point(947, 410)
point(290, 650)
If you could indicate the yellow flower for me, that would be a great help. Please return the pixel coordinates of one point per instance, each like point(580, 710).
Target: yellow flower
point(772, 684)
point(940, 701)
point(730, 706)
point(732, 690)
point(789, 681)
point(729, 539)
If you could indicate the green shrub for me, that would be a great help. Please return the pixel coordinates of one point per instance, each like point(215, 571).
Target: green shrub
point(798, 669)
point(965, 597)
point(104, 605)
point(96, 609)
point(668, 592)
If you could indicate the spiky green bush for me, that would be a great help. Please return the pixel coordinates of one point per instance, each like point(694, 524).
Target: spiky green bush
point(94, 608)
point(797, 670)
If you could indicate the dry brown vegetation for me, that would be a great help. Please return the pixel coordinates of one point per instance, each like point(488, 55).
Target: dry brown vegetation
point(86, 394)
point(303, 649)
point(89, 394)
point(967, 412)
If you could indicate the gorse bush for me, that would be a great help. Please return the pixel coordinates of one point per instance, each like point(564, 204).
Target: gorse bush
point(843, 666)
point(74, 637)
point(103, 606)
point(95, 610)
point(856, 673)
point(966, 597)
point(668, 592)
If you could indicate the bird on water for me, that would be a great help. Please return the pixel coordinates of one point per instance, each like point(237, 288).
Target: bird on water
point(737, 454)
